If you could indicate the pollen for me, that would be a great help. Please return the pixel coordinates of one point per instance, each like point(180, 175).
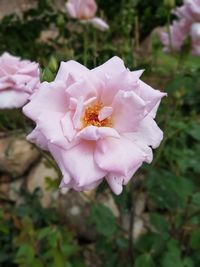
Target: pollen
point(91, 117)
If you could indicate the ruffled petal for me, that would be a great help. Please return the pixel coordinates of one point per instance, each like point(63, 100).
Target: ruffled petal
point(68, 127)
point(109, 150)
point(79, 163)
point(37, 137)
point(95, 133)
point(128, 111)
point(112, 67)
point(104, 113)
point(12, 99)
point(116, 182)
point(151, 96)
point(148, 133)
point(50, 97)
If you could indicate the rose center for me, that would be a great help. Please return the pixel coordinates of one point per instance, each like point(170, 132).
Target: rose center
point(91, 117)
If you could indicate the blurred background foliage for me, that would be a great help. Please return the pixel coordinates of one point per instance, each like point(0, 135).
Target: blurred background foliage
point(33, 236)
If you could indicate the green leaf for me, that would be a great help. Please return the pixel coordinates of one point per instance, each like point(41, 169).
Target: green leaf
point(47, 75)
point(194, 131)
point(196, 199)
point(172, 257)
point(144, 260)
point(159, 222)
point(152, 242)
point(37, 263)
point(195, 239)
point(103, 219)
point(58, 257)
point(44, 232)
point(168, 190)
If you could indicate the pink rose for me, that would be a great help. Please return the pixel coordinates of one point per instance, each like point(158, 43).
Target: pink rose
point(85, 11)
point(96, 123)
point(195, 34)
point(18, 80)
point(178, 31)
point(188, 15)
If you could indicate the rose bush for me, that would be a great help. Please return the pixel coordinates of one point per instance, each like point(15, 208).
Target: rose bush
point(187, 26)
point(18, 80)
point(96, 123)
point(85, 11)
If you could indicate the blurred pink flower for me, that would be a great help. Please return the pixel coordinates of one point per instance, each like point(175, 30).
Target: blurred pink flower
point(18, 80)
point(188, 15)
point(178, 31)
point(195, 34)
point(96, 123)
point(85, 11)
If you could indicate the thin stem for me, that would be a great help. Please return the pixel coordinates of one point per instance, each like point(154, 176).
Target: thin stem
point(169, 32)
point(94, 47)
point(85, 43)
point(131, 223)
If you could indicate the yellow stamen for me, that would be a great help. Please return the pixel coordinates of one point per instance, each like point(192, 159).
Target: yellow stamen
point(91, 117)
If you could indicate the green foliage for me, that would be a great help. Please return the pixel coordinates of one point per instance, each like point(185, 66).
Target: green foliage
point(32, 236)
point(101, 215)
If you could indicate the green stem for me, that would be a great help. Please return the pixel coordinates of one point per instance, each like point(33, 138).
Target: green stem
point(85, 55)
point(94, 47)
point(169, 32)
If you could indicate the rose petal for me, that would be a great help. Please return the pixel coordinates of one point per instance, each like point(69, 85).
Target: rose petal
point(109, 150)
point(113, 66)
point(95, 133)
point(83, 169)
point(104, 113)
point(50, 97)
point(149, 133)
point(12, 99)
point(99, 24)
point(128, 111)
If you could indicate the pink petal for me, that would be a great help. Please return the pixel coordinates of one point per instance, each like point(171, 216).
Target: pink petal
point(78, 114)
point(71, 10)
point(94, 133)
point(99, 24)
point(136, 139)
point(116, 182)
point(50, 126)
point(149, 133)
point(79, 163)
point(104, 113)
point(125, 81)
point(37, 137)
point(113, 66)
point(75, 69)
point(82, 88)
point(12, 99)
point(48, 98)
point(129, 110)
point(151, 96)
point(67, 127)
point(108, 152)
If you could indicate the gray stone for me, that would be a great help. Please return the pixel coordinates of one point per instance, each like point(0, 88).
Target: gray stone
point(36, 179)
point(16, 155)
